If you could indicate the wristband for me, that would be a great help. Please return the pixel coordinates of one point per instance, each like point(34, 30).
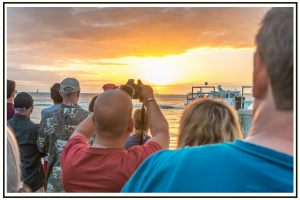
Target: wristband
point(150, 99)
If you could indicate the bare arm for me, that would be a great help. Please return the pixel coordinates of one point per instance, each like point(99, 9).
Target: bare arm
point(158, 124)
point(86, 128)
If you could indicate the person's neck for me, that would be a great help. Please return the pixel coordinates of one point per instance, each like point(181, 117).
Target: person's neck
point(272, 128)
point(10, 100)
point(25, 114)
point(133, 132)
point(56, 103)
point(109, 142)
point(70, 101)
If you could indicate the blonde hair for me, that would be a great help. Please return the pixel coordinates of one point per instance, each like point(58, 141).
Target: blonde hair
point(208, 121)
point(13, 163)
point(138, 122)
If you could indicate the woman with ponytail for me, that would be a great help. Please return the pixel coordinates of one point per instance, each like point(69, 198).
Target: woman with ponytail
point(138, 130)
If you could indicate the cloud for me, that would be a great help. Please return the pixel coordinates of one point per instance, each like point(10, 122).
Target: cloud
point(45, 78)
point(87, 62)
point(54, 36)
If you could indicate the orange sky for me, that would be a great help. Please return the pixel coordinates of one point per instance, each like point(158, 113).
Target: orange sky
point(171, 48)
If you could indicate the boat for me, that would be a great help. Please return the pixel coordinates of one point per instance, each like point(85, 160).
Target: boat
point(233, 98)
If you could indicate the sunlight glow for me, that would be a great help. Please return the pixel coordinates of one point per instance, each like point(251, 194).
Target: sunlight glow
point(159, 75)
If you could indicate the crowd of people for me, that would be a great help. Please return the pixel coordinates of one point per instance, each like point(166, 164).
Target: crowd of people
point(111, 149)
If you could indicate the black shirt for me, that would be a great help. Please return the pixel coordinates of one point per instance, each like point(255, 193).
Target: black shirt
point(26, 134)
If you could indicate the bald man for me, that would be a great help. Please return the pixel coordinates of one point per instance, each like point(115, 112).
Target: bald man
point(106, 166)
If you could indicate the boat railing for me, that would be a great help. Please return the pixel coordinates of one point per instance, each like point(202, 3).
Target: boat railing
point(243, 101)
point(201, 92)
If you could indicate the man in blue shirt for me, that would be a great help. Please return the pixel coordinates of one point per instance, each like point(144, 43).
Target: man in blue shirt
point(55, 96)
point(261, 163)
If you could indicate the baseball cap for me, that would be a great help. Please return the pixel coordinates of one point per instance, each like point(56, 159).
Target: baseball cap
point(109, 87)
point(23, 101)
point(69, 85)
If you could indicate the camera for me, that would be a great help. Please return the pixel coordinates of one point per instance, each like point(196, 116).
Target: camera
point(132, 89)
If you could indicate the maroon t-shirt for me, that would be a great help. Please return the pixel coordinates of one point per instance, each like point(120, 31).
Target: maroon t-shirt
point(10, 110)
point(88, 169)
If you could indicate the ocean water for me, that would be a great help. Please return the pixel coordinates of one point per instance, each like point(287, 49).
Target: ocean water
point(171, 107)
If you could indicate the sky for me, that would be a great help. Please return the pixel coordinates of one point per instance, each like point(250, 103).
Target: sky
point(169, 48)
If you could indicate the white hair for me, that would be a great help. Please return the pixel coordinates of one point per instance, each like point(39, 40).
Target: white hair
point(23, 111)
point(13, 163)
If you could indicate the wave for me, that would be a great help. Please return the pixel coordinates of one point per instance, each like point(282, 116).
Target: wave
point(84, 105)
point(42, 104)
point(170, 107)
point(161, 106)
point(138, 105)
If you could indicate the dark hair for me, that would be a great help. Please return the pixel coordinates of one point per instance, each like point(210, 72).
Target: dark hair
point(11, 87)
point(275, 46)
point(54, 90)
point(137, 116)
point(91, 106)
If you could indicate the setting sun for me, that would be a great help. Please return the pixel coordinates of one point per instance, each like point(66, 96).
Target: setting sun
point(174, 49)
point(159, 75)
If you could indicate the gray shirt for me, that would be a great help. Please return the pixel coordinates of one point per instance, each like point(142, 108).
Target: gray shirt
point(55, 130)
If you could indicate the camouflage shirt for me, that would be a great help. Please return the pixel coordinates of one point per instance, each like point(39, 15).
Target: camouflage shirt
point(55, 130)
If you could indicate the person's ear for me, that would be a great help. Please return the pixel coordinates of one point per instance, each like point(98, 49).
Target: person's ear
point(93, 117)
point(61, 94)
point(260, 77)
point(31, 109)
point(78, 93)
point(13, 94)
point(130, 125)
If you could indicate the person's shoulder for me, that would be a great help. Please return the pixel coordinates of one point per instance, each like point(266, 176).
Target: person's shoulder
point(45, 110)
point(189, 153)
point(78, 138)
point(52, 108)
point(56, 109)
point(49, 114)
point(146, 138)
point(10, 121)
point(209, 150)
point(133, 138)
point(144, 150)
point(31, 126)
point(75, 143)
point(46, 116)
point(84, 112)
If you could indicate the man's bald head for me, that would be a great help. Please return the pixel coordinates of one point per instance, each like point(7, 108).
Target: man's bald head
point(112, 111)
